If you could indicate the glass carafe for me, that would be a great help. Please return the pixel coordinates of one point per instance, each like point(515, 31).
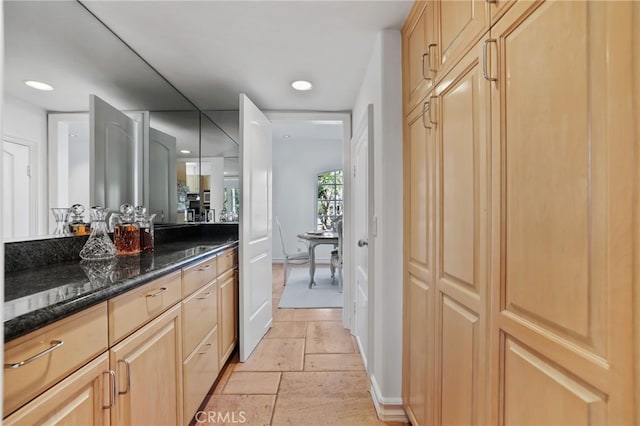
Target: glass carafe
point(61, 215)
point(77, 225)
point(126, 232)
point(99, 246)
point(145, 222)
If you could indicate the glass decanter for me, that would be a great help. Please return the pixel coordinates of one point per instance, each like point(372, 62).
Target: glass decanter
point(61, 215)
point(126, 232)
point(99, 246)
point(145, 222)
point(77, 225)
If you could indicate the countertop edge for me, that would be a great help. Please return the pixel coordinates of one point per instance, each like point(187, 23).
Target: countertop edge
point(32, 321)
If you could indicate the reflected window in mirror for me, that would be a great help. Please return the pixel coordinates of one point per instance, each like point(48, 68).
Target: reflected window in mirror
point(329, 202)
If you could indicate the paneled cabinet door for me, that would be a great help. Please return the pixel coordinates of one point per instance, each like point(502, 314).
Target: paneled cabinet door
point(148, 365)
point(418, 313)
point(563, 153)
point(228, 313)
point(460, 117)
point(460, 24)
point(418, 49)
point(83, 398)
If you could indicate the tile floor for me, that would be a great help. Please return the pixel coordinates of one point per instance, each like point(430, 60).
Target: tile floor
point(306, 371)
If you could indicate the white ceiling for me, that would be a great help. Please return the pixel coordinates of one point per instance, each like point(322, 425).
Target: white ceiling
point(210, 50)
point(214, 50)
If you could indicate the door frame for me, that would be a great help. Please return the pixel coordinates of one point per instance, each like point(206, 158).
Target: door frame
point(348, 269)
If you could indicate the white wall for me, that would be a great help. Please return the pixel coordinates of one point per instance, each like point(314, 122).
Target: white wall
point(24, 121)
point(296, 165)
point(381, 87)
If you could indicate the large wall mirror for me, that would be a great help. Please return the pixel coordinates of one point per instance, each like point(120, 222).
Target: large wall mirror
point(49, 137)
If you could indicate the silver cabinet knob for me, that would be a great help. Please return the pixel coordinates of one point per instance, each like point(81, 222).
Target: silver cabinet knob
point(362, 243)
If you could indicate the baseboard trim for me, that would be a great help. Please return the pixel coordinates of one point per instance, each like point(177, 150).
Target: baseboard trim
point(388, 409)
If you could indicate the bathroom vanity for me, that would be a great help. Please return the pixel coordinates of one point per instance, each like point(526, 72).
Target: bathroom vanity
point(139, 340)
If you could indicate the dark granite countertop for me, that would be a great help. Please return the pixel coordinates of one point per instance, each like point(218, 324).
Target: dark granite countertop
point(39, 296)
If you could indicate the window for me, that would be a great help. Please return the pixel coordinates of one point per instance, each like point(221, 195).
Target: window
point(329, 201)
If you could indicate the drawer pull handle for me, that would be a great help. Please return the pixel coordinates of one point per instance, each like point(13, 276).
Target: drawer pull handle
point(207, 346)
point(55, 344)
point(112, 387)
point(126, 363)
point(204, 268)
point(158, 293)
point(205, 295)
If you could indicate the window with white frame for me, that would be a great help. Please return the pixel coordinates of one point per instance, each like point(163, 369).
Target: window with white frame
point(329, 202)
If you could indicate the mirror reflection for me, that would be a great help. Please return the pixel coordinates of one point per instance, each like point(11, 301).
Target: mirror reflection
point(59, 151)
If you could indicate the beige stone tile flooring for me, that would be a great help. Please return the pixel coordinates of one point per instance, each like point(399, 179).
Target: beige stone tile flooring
point(306, 371)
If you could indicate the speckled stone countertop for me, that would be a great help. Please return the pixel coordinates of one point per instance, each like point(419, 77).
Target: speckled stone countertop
point(39, 296)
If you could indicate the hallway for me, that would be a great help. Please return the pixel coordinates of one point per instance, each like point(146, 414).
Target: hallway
point(306, 371)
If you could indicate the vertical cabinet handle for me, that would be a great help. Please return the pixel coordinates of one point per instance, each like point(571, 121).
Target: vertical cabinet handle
point(484, 59)
point(112, 388)
point(432, 45)
point(431, 106)
point(128, 381)
point(426, 107)
point(425, 56)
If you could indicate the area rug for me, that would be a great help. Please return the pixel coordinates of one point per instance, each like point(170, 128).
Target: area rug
point(297, 293)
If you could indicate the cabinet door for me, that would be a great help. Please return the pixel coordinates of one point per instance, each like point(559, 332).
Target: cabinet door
point(563, 144)
point(228, 311)
point(418, 331)
point(461, 23)
point(462, 118)
point(81, 399)
point(417, 36)
point(148, 365)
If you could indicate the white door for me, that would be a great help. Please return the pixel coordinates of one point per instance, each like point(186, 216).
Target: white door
point(161, 194)
point(360, 194)
point(115, 153)
point(16, 190)
point(255, 226)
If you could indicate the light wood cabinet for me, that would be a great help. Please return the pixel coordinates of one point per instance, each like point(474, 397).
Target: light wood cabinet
point(148, 366)
point(200, 316)
point(164, 353)
point(520, 177)
point(197, 275)
point(83, 398)
point(418, 52)
point(200, 369)
point(131, 310)
point(228, 313)
point(564, 180)
point(65, 346)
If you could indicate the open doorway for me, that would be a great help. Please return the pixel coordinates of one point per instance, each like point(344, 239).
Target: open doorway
point(310, 194)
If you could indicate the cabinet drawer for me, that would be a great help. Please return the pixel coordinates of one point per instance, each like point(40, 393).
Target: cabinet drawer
point(83, 337)
point(227, 260)
point(199, 313)
point(139, 306)
point(200, 371)
point(197, 275)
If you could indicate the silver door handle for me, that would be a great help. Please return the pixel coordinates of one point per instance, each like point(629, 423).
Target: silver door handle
point(362, 243)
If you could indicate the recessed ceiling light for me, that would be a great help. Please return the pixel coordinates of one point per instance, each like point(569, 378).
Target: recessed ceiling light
point(302, 85)
point(185, 151)
point(38, 85)
point(286, 136)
